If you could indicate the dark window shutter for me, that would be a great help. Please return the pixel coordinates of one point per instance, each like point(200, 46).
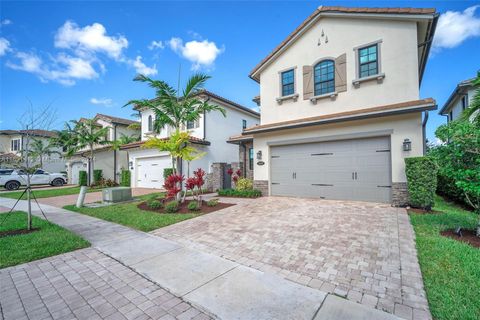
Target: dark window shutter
point(341, 73)
point(307, 82)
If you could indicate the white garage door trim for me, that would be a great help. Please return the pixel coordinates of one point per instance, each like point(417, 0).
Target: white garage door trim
point(352, 169)
point(149, 171)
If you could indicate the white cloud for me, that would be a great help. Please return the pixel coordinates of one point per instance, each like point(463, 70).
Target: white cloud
point(156, 45)
point(4, 46)
point(141, 68)
point(89, 39)
point(200, 53)
point(454, 27)
point(64, 69)
point(102, 101)
point(6, 22)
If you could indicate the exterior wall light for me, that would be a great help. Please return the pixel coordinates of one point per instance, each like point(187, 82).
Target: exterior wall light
point(259, 155)
point(407, 145)
point(130, 164)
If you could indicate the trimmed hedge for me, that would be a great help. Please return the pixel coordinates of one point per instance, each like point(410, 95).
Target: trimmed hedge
point(253, 193)
point(125, 178)
point(97, 175)
point(167, 172)
point(82, 178)
point(422, 181)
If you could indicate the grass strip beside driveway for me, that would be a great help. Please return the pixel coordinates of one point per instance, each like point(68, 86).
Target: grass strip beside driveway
point(129, 215)
point(451, 269)
point(50, 240)
point(39, 193)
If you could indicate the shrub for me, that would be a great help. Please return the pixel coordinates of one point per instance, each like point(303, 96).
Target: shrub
point(193, 206)
point(104, 183)
point(172, 206)
point(167, 172)
point(254, 193)
point(154, 204)
point(82, 178)
point(244, 184)
point(125, 178)
point(212, 202)
point(422, 181)
point(97, 176)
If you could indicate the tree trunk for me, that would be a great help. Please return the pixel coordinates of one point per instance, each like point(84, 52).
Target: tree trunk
point(90, 174)
point(179, 172)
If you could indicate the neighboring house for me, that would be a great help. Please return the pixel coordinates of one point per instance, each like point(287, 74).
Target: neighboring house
point(340, 105)
point(208, 135)
point(13, 143)
point(110, 161)
point(459, 100)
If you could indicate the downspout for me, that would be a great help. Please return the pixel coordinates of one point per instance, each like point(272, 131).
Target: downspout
point(115, 154)
point(424, 132)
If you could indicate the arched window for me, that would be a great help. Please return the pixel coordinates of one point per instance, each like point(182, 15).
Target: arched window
point(324, 76)
point(150, 124)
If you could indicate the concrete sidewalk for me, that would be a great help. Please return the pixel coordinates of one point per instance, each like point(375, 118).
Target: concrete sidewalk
point(218, 286)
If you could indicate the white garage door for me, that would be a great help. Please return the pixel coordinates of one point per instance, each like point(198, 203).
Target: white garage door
point(150, 171)
point(345, 170)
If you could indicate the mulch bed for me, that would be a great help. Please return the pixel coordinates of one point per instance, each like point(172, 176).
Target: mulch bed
point(468, 236)
point(184, 207)
point(421, 211)
point(17, 232)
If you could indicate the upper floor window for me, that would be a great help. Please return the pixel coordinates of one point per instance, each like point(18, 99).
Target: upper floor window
point(450, 116)
point(324, 77)
point(15, 145)
point(368, 61)
point(193, 124)
point(150, 124)
point(464, 102)
point(244, 124)
point(288, 82)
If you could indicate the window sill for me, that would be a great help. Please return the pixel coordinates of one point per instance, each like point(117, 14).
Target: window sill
point(331, 95)
point(379, 77)
point(294, 97)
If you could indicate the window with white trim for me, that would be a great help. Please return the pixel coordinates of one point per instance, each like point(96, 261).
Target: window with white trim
point(15, 145)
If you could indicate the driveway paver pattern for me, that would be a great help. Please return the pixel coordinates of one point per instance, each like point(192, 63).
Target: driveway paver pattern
point(358, 250)
point(86, 284)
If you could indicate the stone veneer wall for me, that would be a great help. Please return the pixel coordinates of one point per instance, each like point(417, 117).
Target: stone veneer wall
point(261, 185)
point(399, 194)
point(243, 155)
point(216, 176)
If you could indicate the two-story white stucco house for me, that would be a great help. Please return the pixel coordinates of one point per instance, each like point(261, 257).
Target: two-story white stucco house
point(459, 100)
point(207, 135)
point(340, 105)
point(13, 144)
point(110, 161)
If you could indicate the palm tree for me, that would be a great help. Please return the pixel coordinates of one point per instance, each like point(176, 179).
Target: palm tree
point(40, 148)
point(66, 139)
point(88, 135)
point(174, 108)
point(124, 139)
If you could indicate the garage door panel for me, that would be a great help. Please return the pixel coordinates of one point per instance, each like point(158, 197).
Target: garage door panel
point(150, 171)
point(326, 169)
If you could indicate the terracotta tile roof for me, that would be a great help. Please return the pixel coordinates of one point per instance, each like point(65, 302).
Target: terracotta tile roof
point(335, 9)
point(114, 119)
point(428, 104)
point(33, 132)
point(240, 138)
point(138, 144)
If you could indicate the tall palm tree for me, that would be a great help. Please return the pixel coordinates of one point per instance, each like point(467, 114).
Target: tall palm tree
point(472, 113)
point(174, 108)
point(88, 135)
point(66, 139)
point(40, 148)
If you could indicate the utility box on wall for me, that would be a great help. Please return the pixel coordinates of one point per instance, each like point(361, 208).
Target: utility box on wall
point(117, 194)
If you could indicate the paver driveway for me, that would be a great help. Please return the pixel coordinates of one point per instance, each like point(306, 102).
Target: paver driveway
point(364, 251)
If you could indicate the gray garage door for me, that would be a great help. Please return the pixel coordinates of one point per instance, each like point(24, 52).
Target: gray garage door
point(356, 169)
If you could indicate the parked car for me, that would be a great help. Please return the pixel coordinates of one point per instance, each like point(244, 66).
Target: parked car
point(12, 179)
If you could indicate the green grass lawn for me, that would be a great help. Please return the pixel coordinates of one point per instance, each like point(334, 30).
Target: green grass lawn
point(451, 269)
point(39, 193)
point(50, 240)
point(129, 215)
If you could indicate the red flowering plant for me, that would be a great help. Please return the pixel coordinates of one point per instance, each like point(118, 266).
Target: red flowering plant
point(173, 185)
point(230, 171)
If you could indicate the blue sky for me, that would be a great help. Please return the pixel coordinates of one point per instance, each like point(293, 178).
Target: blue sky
point(81, 56)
